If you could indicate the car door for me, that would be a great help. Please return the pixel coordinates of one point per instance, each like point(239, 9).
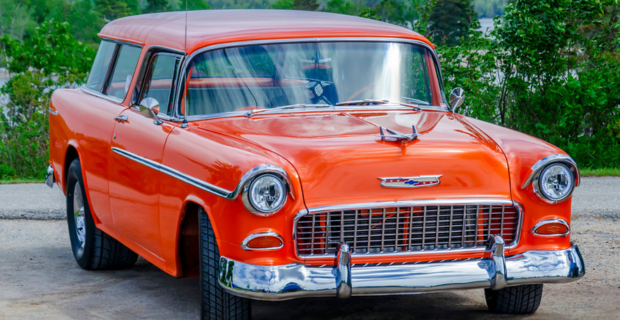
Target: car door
point(137, 144)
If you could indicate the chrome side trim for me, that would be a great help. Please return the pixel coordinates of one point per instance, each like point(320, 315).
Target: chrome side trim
point(412, 203)
point(221, 192)
point(177, 97)
point(542, 163)
point(544, 222)
point(49, 177)
point(100, 95)
point(296, 280)
point(251, 237)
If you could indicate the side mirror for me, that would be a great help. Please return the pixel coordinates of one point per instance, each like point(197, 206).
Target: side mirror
point(149, 107)
point(457, 97)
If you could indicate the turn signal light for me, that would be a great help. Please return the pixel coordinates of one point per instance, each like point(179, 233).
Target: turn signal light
point(265, 241)
point(551, 228)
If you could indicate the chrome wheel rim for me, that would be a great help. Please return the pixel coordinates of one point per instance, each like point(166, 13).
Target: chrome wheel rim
point(78, 207)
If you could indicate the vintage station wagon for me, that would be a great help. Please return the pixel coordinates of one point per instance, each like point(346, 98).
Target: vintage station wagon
point(284, 154)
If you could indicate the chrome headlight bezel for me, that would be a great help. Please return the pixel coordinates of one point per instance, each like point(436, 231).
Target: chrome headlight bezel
point(546, 163)
point(249, 202)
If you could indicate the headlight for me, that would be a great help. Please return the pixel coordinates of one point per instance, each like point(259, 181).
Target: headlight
point(556, 182)
point(266, 194)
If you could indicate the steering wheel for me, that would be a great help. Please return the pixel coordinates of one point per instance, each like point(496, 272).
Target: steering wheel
point(359, 92)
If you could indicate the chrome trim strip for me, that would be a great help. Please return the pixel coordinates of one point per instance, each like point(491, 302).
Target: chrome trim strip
point(410, 203)
point(283, 282)
point(100, 95)
point(253, 236)
point(49, 177)
point(177, 98)
point(221, 192)
point(544, 222)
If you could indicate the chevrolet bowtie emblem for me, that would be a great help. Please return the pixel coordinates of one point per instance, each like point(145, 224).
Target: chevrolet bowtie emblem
point(410, 182)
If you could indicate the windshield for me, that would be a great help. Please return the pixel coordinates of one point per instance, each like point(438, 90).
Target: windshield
point(276, 75)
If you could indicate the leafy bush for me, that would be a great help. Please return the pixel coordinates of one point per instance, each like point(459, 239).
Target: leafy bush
point(551, 68)
point(50, 58)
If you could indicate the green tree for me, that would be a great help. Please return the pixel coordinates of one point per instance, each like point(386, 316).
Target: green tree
point(50, 58)
point(157, 6)
point(282, 4)
point(194, 5)
point(450, 20)
point(114, 9)
point(310, 5)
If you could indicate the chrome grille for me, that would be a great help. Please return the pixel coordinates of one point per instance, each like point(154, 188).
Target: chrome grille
point(405, 229)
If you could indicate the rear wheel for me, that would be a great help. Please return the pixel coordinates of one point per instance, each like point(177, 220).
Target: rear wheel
point(92, 248)
point(523, 299)
point(215, 303)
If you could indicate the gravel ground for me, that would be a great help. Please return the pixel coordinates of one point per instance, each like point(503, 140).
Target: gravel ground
point(31, 201)
point(40, 279)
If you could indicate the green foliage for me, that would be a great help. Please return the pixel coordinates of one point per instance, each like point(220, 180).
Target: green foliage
point(194, 5)
point(450, 21)
point(549, 69)
point(157, 6)
point(50, 58)
point(310, 5)
point(283, 4)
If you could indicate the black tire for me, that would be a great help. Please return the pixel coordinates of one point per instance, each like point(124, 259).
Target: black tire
point(215, 303)
point(96, 250)
point(523, 299)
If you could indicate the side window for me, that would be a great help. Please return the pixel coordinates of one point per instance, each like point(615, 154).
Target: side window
point(101, 65)
point(124, 68)
point(160, 80)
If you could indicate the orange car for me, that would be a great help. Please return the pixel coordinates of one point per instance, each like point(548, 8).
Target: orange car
point(285, 154)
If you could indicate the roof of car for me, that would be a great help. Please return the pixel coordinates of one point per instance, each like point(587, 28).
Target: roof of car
point(211, 27)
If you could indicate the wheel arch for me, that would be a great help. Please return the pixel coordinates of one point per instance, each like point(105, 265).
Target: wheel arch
point(71, 154)
point(188, 228)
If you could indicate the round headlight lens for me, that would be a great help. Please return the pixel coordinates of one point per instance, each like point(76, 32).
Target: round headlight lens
point(267, 193)
point(556, 182)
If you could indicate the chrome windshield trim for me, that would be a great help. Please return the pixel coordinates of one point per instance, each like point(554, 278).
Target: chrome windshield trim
point(183, 72)
point(100, 95)
point(203, 185)
point(542, 163)
point(412, 203)
point(253, 236)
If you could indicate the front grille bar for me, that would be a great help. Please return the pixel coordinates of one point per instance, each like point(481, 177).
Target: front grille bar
point(406, 229)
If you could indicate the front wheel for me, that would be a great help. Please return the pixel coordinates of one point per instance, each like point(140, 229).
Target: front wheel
point(92, 248)
point(215, 303)
point(523, 299)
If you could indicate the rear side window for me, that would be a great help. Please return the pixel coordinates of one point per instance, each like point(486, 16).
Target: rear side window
point(123, 71)
point(101, 65)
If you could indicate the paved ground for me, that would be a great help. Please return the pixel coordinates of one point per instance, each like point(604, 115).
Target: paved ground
point(39, 278)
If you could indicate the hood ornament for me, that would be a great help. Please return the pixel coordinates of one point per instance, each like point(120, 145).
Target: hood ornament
point(393, 135)
point(410, 182)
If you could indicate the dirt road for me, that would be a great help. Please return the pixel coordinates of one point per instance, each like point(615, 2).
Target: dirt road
point(40, 279)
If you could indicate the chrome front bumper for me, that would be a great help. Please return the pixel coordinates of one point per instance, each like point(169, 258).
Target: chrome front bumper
point(495, 271)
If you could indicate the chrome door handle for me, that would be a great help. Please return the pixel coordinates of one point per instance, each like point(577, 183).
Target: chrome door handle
point(122, 118)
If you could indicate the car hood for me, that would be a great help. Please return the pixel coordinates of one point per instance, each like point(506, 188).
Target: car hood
point(340, 158)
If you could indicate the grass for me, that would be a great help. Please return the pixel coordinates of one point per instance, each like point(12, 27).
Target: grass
point(614, 172)
point(21, 180)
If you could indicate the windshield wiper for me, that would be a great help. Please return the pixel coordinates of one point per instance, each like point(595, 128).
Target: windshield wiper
point(367, 102)
point(364, 102)
point(417, 101)
point(292, 106)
